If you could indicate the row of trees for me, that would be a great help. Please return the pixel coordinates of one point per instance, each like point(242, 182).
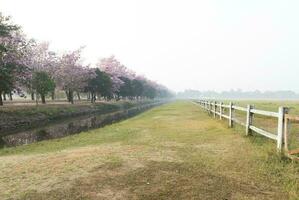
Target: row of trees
point(27, 66)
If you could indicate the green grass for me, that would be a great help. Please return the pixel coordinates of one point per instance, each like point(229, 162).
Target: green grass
point(175, 151)
point(269, 105)
point(269, 123)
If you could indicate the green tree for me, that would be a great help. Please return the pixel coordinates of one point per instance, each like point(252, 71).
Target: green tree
point(137, 87)
point(149, 91)
point(7, 66)
point(100, 85)
point(126, 89)
point(42, 84)
point(6, 29)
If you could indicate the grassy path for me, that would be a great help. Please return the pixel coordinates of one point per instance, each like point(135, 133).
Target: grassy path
point(175, 151)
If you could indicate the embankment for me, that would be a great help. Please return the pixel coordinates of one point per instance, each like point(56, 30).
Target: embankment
point(52, 122)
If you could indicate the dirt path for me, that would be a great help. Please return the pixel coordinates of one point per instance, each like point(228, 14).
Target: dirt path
point(175, 151)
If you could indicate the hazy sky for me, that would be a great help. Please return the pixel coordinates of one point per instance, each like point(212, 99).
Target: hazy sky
point(183, 44)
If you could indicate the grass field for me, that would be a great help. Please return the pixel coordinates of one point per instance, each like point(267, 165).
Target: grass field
point(175, 151)
point(272, 105)
point(269, 123)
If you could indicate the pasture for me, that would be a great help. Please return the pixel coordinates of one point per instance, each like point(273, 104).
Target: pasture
point(175, 151)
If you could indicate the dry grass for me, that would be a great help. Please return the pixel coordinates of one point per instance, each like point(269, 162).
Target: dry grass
point(175, 151)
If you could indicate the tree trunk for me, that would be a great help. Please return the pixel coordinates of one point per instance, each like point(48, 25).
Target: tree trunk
point(32, 96)
point(43, 98)
point(1, 101)
point(10, 96)
point(88, 95)
point(93, 97)
point(36, 100)
point(67, 96)
point(4, 96)
point(78, 94)
point(71, 96)
point(53, 95)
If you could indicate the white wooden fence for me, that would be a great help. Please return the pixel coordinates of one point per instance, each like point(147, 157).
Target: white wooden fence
point(217, 109)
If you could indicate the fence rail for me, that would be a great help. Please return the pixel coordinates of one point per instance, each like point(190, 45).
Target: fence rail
point(217, 109)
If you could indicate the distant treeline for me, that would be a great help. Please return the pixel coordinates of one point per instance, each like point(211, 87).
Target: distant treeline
point(238, 94)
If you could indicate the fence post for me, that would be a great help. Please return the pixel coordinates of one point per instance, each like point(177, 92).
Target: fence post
point(248, 119)
point(230, 120)
point(215, 108)
point(220, 111)
point(210, 107)
point(286, 132)
point(280, 127)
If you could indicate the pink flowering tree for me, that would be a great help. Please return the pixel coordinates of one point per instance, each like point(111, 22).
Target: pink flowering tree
point(12, 47)
point(72, 76)
point(118, 73)
point(112, 67)
point(39, 58)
